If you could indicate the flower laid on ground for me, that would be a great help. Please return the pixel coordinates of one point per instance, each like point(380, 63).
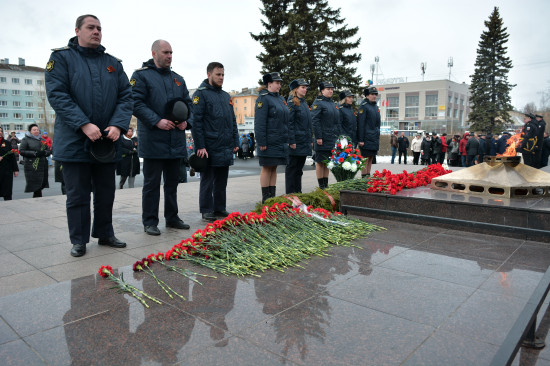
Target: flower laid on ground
point(125, 287)
point(387, 182)
point(42, 148)
point(345, 161)
point(160, 258)
point(12, 151)
point(143, 266)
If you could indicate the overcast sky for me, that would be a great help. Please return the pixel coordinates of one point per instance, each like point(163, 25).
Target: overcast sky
point(402, 33)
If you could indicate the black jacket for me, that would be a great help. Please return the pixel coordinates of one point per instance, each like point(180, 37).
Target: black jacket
point(299, 128)
point(153, 88)
point(472, 146)
point(368, 125)
point(214, 124)
point(271, 125)
point(326, 122)
point(129, 165)
point(403, 143)
point(349, 122)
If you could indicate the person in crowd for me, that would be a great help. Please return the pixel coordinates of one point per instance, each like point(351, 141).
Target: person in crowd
point(462, 149)
point(90, 93)
point(416, 147)
point(348, 116)
point(162, 141)
point(216, 138)
point(49, 142)
point(271, 132)
point(541, 128)
point(14, 141)
point(252, 144)
point(426, 149)
point(502, 142)
point(128, 167)
point(482, 148)
point(368, 128)
point(245, 145)
point(444, 147)
point(325, 119)
point(8, 167)
point(393, 145)
point(472, 150)
point(299, 135)
point(437, 146)
point(453, 152)
point(545, 150)
point(491, 146)
point(403, 143)
point(529, 140)
point(35, 151)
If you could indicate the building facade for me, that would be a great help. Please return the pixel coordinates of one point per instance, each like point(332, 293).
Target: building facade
point(243, 104)
point(23, 98)
point(438, 105)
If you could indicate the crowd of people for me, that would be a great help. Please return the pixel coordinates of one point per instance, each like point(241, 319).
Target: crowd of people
point(94, 141)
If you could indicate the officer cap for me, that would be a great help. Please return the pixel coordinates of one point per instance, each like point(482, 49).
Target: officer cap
point(103, 150)
point(177, 111)
point(325, 84)
point(370, 90)
point(197, 163)
point(538, 116)
point(271, 77)
point(345, 93)
point(297, 82)
point(530, 115)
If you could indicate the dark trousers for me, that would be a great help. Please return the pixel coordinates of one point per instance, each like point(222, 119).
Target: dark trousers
point(471, 160)
point(529, 159)
point(212, 195)
point(293, 174)
point(435, 158)
point(416, 156)
point(81, 179)
point(6, 184)
point(393, 152)
point(403, 153)
point(153, 169)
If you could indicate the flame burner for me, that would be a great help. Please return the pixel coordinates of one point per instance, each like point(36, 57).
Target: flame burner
point(501, 176)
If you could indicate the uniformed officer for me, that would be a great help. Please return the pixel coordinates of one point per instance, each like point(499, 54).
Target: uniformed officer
point(91, 96)
point(299, 135)
point(348, 116)
point(271, 132)
point(541, 128)
point(529, 140)
point(326, 128)
point(368, 128)
point(162, 140)
point(216, 138)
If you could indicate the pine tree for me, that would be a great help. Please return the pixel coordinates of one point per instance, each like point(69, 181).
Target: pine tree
point(490, 99)
point(312, 42)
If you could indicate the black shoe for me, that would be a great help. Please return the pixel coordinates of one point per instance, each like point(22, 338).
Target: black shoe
point(151, 230)
point(78, 250)
point(209, 216)
point(178, 225)
point(223, 214)
point(112, 242)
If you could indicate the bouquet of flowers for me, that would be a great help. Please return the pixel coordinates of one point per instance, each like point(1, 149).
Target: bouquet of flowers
point(345, 161)
point(12, 151)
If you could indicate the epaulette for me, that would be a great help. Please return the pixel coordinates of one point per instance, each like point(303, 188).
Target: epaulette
point(201, 88)
point(142, 68)
point(263, 92)
point(60, 49)
point(119, 60)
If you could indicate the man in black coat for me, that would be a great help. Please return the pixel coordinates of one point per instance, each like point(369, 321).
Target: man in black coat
point(216, 138)
point(403, 143)
point(162, 140)
point(541, 125)
point(472, 149)
point(8, 167)
point(545, 150)
point(529, 141)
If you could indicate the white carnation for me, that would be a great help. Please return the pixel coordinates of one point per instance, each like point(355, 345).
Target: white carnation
point(330, 165)
point(353, 168)
point(346, 165)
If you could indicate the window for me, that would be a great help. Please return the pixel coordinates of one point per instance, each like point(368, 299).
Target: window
point(28, 93)
point(393, 107)
point(455, 113)
point(18, 127)
point(42, 94)
point(5, 128)
point(3, 103)
point(15, 80)
point(3, 115)
point(40, 105)
point(245, 107)
point(28, 81)
point(41, 115)
point(461, 101)
point(15, 92)
point(3, 91)
point(29, 104)
point(30, 116)
point(461, 114)
point(411, 106)
point(456, 100)
point(450, 98)
point(449, 111)
point(17, 115)
point(431, 105)
point(39, 82)
point(52, 116)
point(2, 79)
point(17, 104)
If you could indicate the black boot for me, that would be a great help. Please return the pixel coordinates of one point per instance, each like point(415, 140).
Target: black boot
point(265, 193)
point(321, 182)
point(272, 191)
point(325, 180)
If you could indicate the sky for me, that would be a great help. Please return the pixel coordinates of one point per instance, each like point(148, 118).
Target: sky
point(402, 33)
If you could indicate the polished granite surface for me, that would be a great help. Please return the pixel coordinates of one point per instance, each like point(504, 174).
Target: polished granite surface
point(410, 295)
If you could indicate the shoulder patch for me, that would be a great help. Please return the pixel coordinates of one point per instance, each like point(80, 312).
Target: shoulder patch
point(49, 65)
point(361, 111)
point(142, 68)
point(60, 49)
point(132, 82)
point(315, 106)
point(196, 99)
point(259, 105)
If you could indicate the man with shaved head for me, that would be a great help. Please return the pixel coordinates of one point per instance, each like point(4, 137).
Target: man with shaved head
point(161, 105)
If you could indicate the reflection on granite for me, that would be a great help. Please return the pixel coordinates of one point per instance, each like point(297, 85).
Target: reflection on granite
point(413, 294)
